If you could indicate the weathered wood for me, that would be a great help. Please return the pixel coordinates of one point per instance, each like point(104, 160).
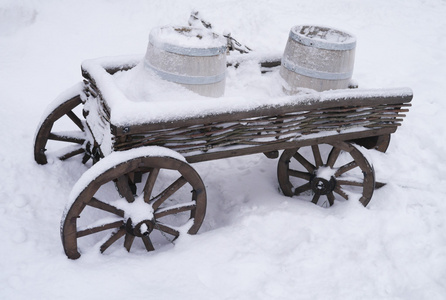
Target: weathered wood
point(267, 127)
point(123, 173)
point(322, 188)
point(45, 133)
point(105, 207)
point(62, 137)
point(355, 101)
point(263, 130)
point(97, 229)
point(72, 153)
point(240, 151)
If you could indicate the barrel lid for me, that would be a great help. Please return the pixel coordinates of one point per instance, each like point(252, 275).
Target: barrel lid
point(323, 37)
point(187, 40)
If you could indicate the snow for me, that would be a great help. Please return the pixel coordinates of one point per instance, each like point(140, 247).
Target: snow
point(323, 37)
point(137, 211)
point(254, 243)
point(168, 37)
point(138, 96)
point(115, 159)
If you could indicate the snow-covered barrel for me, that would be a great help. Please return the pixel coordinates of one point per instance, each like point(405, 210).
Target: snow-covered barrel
point(318, 58)
point(192, 57)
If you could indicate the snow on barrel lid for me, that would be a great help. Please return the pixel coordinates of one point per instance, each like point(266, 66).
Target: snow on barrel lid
point(323, 37)
point(187, 40)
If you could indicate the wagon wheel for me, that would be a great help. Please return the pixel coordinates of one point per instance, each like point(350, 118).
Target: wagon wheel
point(74, 141)
point(345, 174)
point(156, 200)
point(380, 143)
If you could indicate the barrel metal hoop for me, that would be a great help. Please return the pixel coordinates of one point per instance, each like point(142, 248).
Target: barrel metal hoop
point(314, 73)
point(189, 51)
point(326, 45)
point(185, 79)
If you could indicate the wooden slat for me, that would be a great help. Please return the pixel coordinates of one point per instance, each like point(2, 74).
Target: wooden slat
point(99, 228)
point(266, 128)
point(269, 111)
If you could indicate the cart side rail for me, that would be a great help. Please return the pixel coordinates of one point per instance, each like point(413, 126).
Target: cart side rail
point(337, 116)
point(304, 119)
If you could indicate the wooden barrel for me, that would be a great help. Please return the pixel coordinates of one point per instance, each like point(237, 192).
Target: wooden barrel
point(192, 57)
point(318, 58)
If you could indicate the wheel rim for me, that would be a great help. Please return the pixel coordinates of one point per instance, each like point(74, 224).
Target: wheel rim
point(169, 200)
point(74, 141)
point(343, 174)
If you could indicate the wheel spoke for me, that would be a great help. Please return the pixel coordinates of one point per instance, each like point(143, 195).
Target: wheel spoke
point(331, 198)
point(349, 182)
point(89, 231)
point(167, 229)
point(315, 198)
point(65, 138)
point(379, 185)
point(169, 191)
point(75, 120)
point(147, 242)
point(115, 236)
point(128, 241)
point(317, 155)
point(124, 188)
point(130, 220)
point(175, 210)
point(105, 206)
point(345, 168)
point(302, 188)
point(72, 153)
point(304, 162)
point(299, 174)
point(333, 156)
point(352, 173)
point(340, 192)
point(85, 158)
point(148, 188)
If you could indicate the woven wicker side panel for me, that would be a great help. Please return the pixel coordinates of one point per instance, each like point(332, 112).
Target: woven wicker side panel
point(267, 130)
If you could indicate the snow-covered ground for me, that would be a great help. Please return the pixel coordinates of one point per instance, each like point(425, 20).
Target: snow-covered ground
point(255, 243)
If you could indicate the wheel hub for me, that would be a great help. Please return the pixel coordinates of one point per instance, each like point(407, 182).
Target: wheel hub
point(322, 186)
point(141, 228)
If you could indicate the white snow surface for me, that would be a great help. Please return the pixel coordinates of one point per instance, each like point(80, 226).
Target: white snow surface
point(186, 37)
point(255, 243)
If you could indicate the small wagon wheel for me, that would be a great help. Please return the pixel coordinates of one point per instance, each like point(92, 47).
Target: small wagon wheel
point(344, 174)
point(153, 198)
point(74, 141)
point(380, 142)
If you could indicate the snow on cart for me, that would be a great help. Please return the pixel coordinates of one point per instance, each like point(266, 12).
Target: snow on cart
point(143, 121)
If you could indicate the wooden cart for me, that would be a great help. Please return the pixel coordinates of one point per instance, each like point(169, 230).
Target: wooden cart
point(159, 194)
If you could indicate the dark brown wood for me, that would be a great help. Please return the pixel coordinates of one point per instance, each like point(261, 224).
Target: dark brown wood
point(312, 176)
point(172, 202)
point(105, 207)
point(300, 106)
point(68, 155)
point(128, 241)
point(265, 129)
point(233, 152)
point(168, 192)
point(65, 138)
point(97, 229)
point(45, 133)
point(113, 238)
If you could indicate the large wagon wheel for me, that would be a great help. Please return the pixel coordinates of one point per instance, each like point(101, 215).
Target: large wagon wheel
point(345, 174)
point(152, 198)
point(74, 141)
